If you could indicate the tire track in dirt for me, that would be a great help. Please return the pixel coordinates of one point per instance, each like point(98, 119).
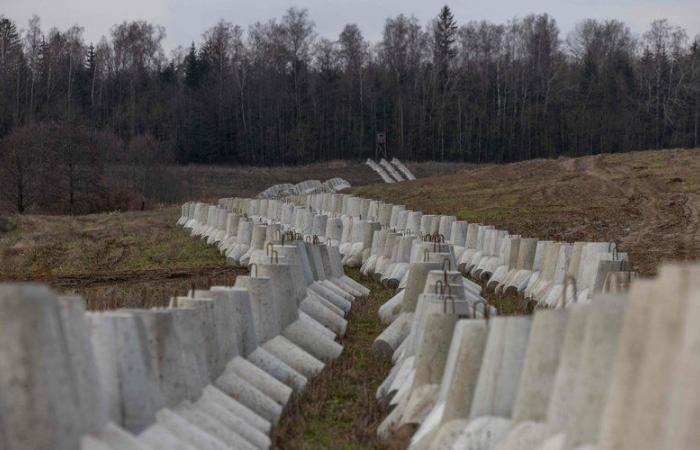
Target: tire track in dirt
point(130, 277)
point(656, 207)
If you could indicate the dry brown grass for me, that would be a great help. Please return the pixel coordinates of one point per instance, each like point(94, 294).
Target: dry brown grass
point(646, 201)
point(212, 182)
point(135, 259)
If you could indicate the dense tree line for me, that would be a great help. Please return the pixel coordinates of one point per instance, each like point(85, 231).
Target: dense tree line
point(278, 93)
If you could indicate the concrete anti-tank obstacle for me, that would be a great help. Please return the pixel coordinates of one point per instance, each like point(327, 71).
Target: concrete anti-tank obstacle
point(680, 429)
point(165, 350)
point(214, 427)
point(261, 380)
point(189, 326)
point(659, 367)
point(214, 395)
point(389, 340)
point(496, 389)
point(204, 310)
point(458, 382)
point(320, 346)
point(540, 368)
point(393, 335)
point(403, 169)
point(537, 381)
point(597, 357)
point(242, 243)
point(431, 357)
point(552, 294)
point(257, 242)
point(266, 320)
point(156, 437)
point(511, 247)
point(189, 432)
point(115, 437)
point(293, 356)
point(278, 369)
point(380, 171)
point(236, 326)
point(390, 169)
point(232, 422)
point(82, 363)
point(632, 350)
point(323, 315)
point(417, 276)
point(540, 253)
point(504, 357)
point(550, 255)
point(430, 304)
point(244, 392)
point(561, 400)
point(516, 280)
point(535, 384)
point(128, 378)
point(391, 308)
point(35, 379)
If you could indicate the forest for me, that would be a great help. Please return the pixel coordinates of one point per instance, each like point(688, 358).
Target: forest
point(278, 93)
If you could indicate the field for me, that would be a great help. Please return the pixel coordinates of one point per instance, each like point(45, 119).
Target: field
point(646, 201)
point(201, 182)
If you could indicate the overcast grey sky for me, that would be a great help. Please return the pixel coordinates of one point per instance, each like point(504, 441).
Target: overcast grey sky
point(186, 20)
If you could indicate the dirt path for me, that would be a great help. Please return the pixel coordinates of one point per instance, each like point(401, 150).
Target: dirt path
point(664, 217)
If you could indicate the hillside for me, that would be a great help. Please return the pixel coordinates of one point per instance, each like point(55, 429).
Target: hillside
point(646, 201)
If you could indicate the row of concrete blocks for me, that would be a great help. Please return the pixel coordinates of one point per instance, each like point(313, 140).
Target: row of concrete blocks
point(391, 172)
point(215, 370)
point(617, 373)
point(550, 273)
point(375, 234)
point(305, 187)
point(305, 275)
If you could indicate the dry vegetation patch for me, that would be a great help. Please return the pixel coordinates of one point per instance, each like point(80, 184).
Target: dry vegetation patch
point(134, 259)
point(646, 201)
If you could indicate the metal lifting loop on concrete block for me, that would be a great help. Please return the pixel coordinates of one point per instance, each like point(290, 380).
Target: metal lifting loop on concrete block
point(486, 309)
point(449, 266)
point(276, 257)
point(439, 284)
point(315, 239)
point(569, 279)
point(444, 304)
point(442, 238)
point(250, 267)
point(268, 247)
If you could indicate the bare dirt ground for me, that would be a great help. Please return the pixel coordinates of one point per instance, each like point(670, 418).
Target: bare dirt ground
point(647, 201)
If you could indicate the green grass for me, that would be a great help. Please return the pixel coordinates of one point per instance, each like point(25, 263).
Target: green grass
point(175, 249)
point(338, 409)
